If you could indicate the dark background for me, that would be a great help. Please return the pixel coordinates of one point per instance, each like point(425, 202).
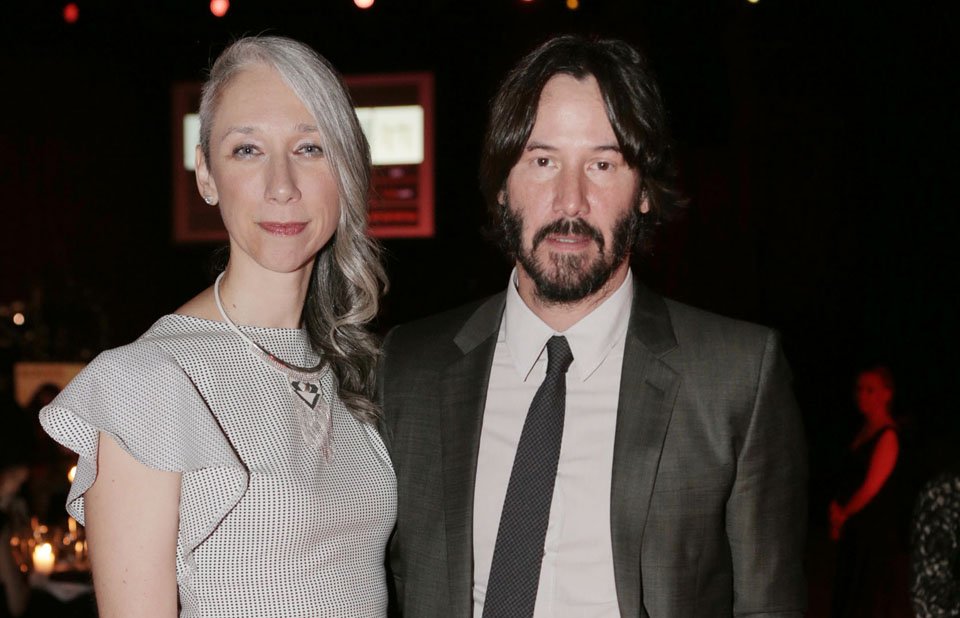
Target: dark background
point(815, 140)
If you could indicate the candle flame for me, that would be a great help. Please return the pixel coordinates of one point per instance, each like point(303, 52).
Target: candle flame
point(43, 558)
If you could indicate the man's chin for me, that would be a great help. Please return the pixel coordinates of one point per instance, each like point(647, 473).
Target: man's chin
point(567, 287)
point(569, 278)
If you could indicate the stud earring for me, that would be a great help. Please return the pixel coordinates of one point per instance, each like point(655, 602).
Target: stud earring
point(208, 200)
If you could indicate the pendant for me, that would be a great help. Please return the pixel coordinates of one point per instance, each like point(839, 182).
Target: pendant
point(314, 412)
point(316, 418)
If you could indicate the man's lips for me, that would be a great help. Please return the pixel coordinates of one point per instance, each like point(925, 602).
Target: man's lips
point(282, 229)
point(568, 234)
point(567, 241)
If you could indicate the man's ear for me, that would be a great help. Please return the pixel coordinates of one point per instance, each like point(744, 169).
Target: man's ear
point(644, 206)
point(502, 197)
point(205, 182)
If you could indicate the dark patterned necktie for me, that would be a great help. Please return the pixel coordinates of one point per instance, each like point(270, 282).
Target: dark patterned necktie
point(518, 553)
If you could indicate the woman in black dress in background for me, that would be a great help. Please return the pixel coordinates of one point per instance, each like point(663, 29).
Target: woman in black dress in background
point(864, 517)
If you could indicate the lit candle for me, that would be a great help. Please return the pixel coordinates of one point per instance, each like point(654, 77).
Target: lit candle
point(78, 550)
point(72, 473)
point(72, 525)
point(43, 558)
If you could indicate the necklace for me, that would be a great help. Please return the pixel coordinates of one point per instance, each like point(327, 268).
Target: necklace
point(311, 400)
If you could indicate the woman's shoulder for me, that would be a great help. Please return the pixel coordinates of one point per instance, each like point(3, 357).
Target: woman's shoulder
point(152, 354)
point(143, 381)
point(142, 395)
point(867, 437)
point(887, 435)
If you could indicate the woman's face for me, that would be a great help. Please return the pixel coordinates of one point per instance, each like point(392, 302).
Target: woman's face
point(872, 395)
point(267, 170)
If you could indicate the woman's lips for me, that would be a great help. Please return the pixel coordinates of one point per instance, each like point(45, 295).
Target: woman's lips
point(282, 229)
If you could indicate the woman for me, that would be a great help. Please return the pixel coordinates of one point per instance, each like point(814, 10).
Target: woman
point(233, 470)
point(871, 565)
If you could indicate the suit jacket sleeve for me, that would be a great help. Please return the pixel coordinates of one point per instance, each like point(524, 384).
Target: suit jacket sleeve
point(766, 510)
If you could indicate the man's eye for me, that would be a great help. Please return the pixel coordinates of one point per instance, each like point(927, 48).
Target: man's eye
point(244, 151)
point(603, 165)
point(543, 162)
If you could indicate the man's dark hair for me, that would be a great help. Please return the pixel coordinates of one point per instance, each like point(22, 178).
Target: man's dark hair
point(633, 104)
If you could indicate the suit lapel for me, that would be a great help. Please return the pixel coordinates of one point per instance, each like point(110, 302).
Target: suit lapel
point(464, 389)
point(648, 388)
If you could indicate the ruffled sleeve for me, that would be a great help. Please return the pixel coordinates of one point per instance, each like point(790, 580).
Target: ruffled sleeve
point(140, 396)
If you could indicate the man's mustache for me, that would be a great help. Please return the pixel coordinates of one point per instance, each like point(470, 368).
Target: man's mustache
point(569, 227)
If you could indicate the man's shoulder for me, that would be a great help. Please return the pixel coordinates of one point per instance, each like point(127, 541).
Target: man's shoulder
point(695, 319)
point(703, 333)
point(440, 330)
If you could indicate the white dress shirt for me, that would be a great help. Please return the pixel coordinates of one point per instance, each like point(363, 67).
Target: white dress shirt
point(576, 579)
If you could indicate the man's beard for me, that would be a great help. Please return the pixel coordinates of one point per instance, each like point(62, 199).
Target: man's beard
point(568, 278)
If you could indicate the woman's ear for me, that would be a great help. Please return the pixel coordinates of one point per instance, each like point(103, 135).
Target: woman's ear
point(205, 182)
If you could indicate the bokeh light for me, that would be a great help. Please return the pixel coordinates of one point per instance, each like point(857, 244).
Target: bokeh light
point(219, 7)
point(71, 13)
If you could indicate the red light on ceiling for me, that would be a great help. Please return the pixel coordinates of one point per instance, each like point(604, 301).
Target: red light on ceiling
point(219, 7)
point(71, 13)
point(363, 4)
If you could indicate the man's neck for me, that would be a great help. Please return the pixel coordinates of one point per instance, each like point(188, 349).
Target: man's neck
point(561, 316)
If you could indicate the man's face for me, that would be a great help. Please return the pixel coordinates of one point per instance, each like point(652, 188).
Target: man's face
point(571, 213)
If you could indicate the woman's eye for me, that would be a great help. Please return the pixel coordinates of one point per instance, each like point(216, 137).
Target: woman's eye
point(542, 162)
point(312, 150)
point(603, 166)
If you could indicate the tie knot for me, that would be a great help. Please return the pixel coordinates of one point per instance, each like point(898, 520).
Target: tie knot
point(559, 355)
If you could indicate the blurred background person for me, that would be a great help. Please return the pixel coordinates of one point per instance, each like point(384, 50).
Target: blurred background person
point(14, 517)
point(49, 482)
point(864, 516)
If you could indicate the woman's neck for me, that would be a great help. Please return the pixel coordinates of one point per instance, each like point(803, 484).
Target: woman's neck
point(876, 421)
point(255, 297)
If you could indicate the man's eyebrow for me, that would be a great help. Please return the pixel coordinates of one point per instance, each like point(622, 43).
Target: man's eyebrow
point(549, 148)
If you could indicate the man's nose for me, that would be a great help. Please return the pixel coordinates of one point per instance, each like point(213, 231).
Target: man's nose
point(571, 196)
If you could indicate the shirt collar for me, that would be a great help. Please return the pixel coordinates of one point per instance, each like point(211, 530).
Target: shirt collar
point(590, 339)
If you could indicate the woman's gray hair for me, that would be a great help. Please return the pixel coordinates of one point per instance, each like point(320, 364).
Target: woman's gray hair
point(348, 278)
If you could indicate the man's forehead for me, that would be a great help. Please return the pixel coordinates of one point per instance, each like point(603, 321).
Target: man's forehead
point(571, 110)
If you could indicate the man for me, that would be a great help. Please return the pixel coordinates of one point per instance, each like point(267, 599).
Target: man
point(661, 471)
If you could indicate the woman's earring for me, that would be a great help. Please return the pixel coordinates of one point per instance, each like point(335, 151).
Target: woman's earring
point(209, 200)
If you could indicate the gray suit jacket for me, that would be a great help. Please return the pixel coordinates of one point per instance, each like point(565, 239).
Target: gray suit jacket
point(708, 507)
